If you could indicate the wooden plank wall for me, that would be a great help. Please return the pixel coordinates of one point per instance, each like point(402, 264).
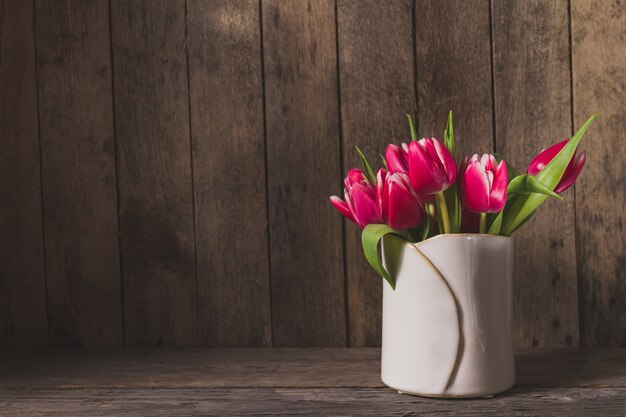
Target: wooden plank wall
point(166, 164)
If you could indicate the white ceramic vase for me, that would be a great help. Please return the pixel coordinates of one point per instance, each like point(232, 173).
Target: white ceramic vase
point(447, 327)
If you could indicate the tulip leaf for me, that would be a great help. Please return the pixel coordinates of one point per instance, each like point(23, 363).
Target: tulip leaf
point(412, 127)
point(367, 167)
point(448, 135)
point(527, 184)
point(371, 236)
point(383, 160)
point(549, 176)
point(496, 224)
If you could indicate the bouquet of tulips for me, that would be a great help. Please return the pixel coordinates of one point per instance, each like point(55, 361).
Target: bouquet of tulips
point(422, 190)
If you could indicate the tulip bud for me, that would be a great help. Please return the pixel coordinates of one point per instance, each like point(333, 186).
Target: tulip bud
point(359, 204)
point(483, 184)
point(574, 167)
point(398, 204)
point(431, 166)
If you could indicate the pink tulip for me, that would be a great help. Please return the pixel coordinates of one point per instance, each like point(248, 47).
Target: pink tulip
point(483, 184)
point(431, 166)
point(359, 204)
point(571, 172)
point(397, 158)
point(398, 204)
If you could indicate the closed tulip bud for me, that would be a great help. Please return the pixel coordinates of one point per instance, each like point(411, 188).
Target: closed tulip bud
point(359, 204)
point(483, 184)
point(431, 166)
point(398, 204)
point(572, 171)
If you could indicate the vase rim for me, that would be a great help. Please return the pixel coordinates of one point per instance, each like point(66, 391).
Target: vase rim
point(464, 235)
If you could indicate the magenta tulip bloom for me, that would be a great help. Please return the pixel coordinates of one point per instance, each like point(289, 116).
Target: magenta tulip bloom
point(483, 184)
point(397, 158)
point(398, 204)
point(571, 172)
point(359, 204)
point(431, 166)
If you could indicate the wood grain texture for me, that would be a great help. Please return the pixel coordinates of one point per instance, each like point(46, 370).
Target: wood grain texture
point(288, 382)
point(78, 170)
point(376, 70)
point(453, 55)
point(22, 276)
point(284, 367)
point(303, 151)
point(155, 176)
point(599, 80)
point(229, 173)
point(532, 107)
point(309, 402)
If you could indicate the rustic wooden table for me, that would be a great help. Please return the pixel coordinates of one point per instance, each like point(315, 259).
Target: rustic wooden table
point(225, 382)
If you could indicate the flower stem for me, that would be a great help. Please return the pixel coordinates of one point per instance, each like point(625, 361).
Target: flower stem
point(443, 209)
point(482, 228)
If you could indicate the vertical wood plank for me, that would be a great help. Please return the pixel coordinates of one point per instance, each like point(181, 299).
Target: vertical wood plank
point(229, 173)
point(376, 70)
point(533, 111)
point(599, 75)
point(453, 55)
point(22, 280)
point(78, 170)
point(303, 168)
point(155, 179)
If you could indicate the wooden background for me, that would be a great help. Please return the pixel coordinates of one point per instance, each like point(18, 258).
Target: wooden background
point(166, 164)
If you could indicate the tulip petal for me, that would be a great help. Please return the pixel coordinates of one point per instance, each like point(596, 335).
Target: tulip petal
point(497, 197)
point(544, 157)
point(571, 173)
point(447, 161)
point(354, 176)
point(396, 159)
point(342, 207)
point(364, 202)
point(475, 189)
point(425, 175)
point(403, 211)
point(381, 194)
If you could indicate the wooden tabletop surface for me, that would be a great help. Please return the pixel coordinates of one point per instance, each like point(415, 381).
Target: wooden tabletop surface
point(224, 382)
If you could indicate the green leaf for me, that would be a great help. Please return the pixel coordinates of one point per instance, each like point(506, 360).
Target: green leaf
point(383, 160)
point(448, 134)
point(496, 224)
point(412, 127)
point(453, 202)
point(550, 176)
point(367, 167)
point(527, 184)
point(371, 236)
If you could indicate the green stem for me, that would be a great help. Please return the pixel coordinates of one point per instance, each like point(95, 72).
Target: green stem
point(443, 209)
point(482, 228)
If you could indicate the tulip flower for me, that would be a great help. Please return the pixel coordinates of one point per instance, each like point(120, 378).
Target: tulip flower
point(397, 158)
point(359, 204)
point(432, 170)
point(483, 186)
point(431, 166)
point(398, 204)
point(571, 172)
